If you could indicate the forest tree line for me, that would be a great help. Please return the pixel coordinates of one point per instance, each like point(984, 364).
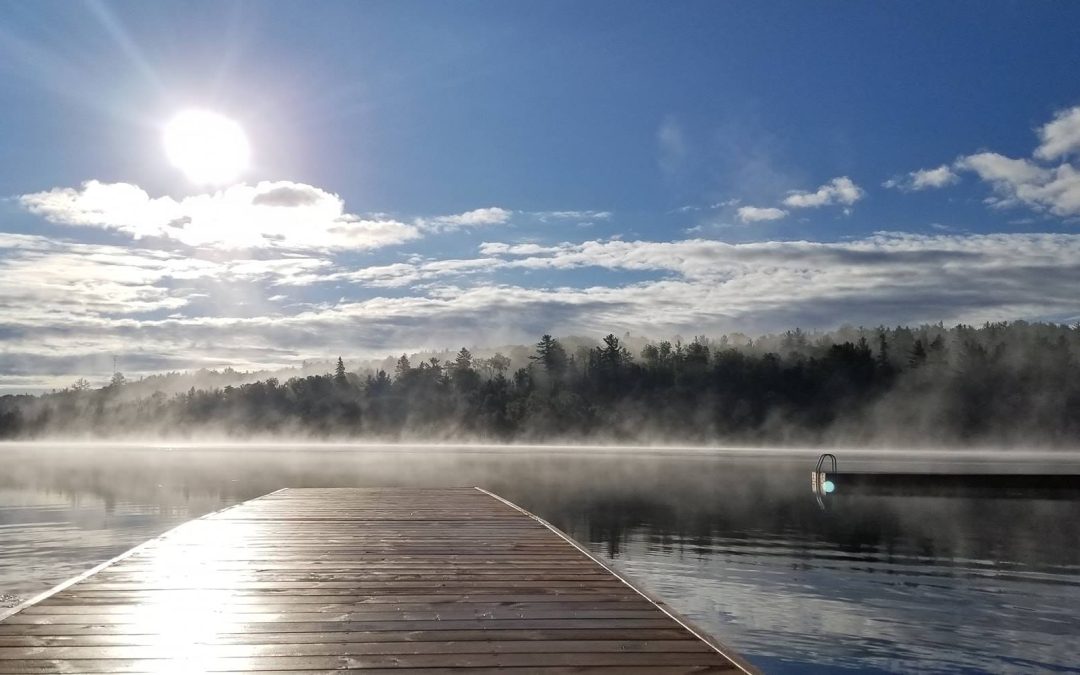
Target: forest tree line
point(1001, 384)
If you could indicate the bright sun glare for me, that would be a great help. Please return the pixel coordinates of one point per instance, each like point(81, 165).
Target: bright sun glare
point(209, 148)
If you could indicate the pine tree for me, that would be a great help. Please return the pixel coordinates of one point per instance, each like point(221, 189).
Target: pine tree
point(339, 372)
point(464, 360)
point(918, 355)
point(402, 368)
point(551, 355)
point(883, 352)
point(465, 378)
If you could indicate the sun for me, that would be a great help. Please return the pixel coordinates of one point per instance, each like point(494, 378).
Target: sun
point(210, 149)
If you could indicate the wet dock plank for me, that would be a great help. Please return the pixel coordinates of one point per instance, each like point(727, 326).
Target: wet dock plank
point(319, 580)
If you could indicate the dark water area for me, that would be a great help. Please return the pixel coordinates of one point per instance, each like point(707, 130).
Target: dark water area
point(735, 541)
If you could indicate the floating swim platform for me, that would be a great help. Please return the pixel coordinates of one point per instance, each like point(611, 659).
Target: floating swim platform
point(826, 479)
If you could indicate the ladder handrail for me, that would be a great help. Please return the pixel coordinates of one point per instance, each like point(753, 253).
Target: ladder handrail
point(821, 462)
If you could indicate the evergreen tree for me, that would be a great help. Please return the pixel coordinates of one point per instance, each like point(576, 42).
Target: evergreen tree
point(551, 355)
point(465, 378)
point(402, 368)
point(464, 360)
point(883, 362)
point(918, 355)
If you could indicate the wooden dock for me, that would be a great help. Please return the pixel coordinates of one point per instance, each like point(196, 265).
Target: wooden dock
point(318, 580)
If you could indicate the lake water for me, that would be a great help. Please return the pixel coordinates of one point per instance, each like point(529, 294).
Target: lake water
point(732, 539)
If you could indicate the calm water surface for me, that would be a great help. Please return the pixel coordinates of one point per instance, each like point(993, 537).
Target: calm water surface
point(736, 542)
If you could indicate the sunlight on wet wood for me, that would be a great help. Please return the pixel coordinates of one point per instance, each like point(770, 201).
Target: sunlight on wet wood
point(373, 579)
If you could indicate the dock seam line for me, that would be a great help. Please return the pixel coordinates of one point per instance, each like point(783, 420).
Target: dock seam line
point(738, 661)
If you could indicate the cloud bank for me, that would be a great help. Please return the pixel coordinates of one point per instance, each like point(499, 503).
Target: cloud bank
point(69, 306)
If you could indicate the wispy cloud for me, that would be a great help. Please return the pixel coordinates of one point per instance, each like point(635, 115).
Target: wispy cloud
point(65, 280)
point(492, 215)
point(399, 275)
point(924, 179)
point(585, 215)
point(671, 145)
point(501, 248)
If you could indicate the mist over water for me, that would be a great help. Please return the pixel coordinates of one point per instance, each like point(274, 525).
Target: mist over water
point(732, 538)
point(1009, 385)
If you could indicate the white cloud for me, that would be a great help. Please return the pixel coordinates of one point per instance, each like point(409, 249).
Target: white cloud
point(755, 214)
point(1061, 136)
point(276, 214)
point(62, 305)
point(995, 168)
point(932, 178)
point(492, 215)
point(841, 190)
point(1020, 181)
point(924, 179)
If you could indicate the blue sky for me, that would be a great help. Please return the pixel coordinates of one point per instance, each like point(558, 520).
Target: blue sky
point(476, 173)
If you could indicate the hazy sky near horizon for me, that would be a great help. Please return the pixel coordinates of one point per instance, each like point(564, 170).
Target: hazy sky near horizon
point(428, 174)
